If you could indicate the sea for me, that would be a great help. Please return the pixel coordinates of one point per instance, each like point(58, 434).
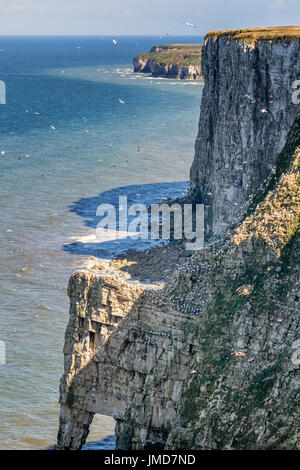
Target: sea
point(78, 129)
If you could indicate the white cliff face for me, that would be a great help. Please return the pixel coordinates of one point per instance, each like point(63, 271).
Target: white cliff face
point(191, 72)
point(141, 65)
point(246, 113)
point(99, 304)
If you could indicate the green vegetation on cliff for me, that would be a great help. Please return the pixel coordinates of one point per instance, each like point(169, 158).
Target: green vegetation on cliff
point(277, 212)
point(175, 54)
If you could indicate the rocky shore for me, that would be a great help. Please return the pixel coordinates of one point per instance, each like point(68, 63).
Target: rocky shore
point(182, 61)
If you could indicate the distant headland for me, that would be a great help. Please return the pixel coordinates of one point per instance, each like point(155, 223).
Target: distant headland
point(181, 61)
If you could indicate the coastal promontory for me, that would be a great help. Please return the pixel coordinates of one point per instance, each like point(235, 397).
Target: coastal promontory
point(181, 61)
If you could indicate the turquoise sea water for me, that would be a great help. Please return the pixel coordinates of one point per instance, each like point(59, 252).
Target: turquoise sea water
point(79, 128)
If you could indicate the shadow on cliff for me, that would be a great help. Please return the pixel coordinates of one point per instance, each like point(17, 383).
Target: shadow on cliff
point(86, 208)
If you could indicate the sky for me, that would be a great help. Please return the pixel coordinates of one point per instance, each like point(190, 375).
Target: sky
point(141, 17)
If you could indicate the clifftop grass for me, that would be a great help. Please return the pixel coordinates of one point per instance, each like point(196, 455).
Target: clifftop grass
point(254, 35)
point(175, 54)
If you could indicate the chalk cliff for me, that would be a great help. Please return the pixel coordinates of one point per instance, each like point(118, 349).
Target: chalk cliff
point(182, 61)
point(246, 113)
point(211, 360)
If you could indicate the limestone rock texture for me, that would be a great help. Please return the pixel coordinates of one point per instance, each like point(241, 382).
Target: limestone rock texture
point(246, 114)
point(211, 359)
point(141, 65)
point(191, 72)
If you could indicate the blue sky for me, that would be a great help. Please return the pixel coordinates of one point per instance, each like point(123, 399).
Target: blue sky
point(140, 17)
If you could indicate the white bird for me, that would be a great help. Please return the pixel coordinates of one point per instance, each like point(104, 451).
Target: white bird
point(191, 25)
point(114, 41)
point(2, 152)
point(53, 127)
point(121, 101)
point(263, 110)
